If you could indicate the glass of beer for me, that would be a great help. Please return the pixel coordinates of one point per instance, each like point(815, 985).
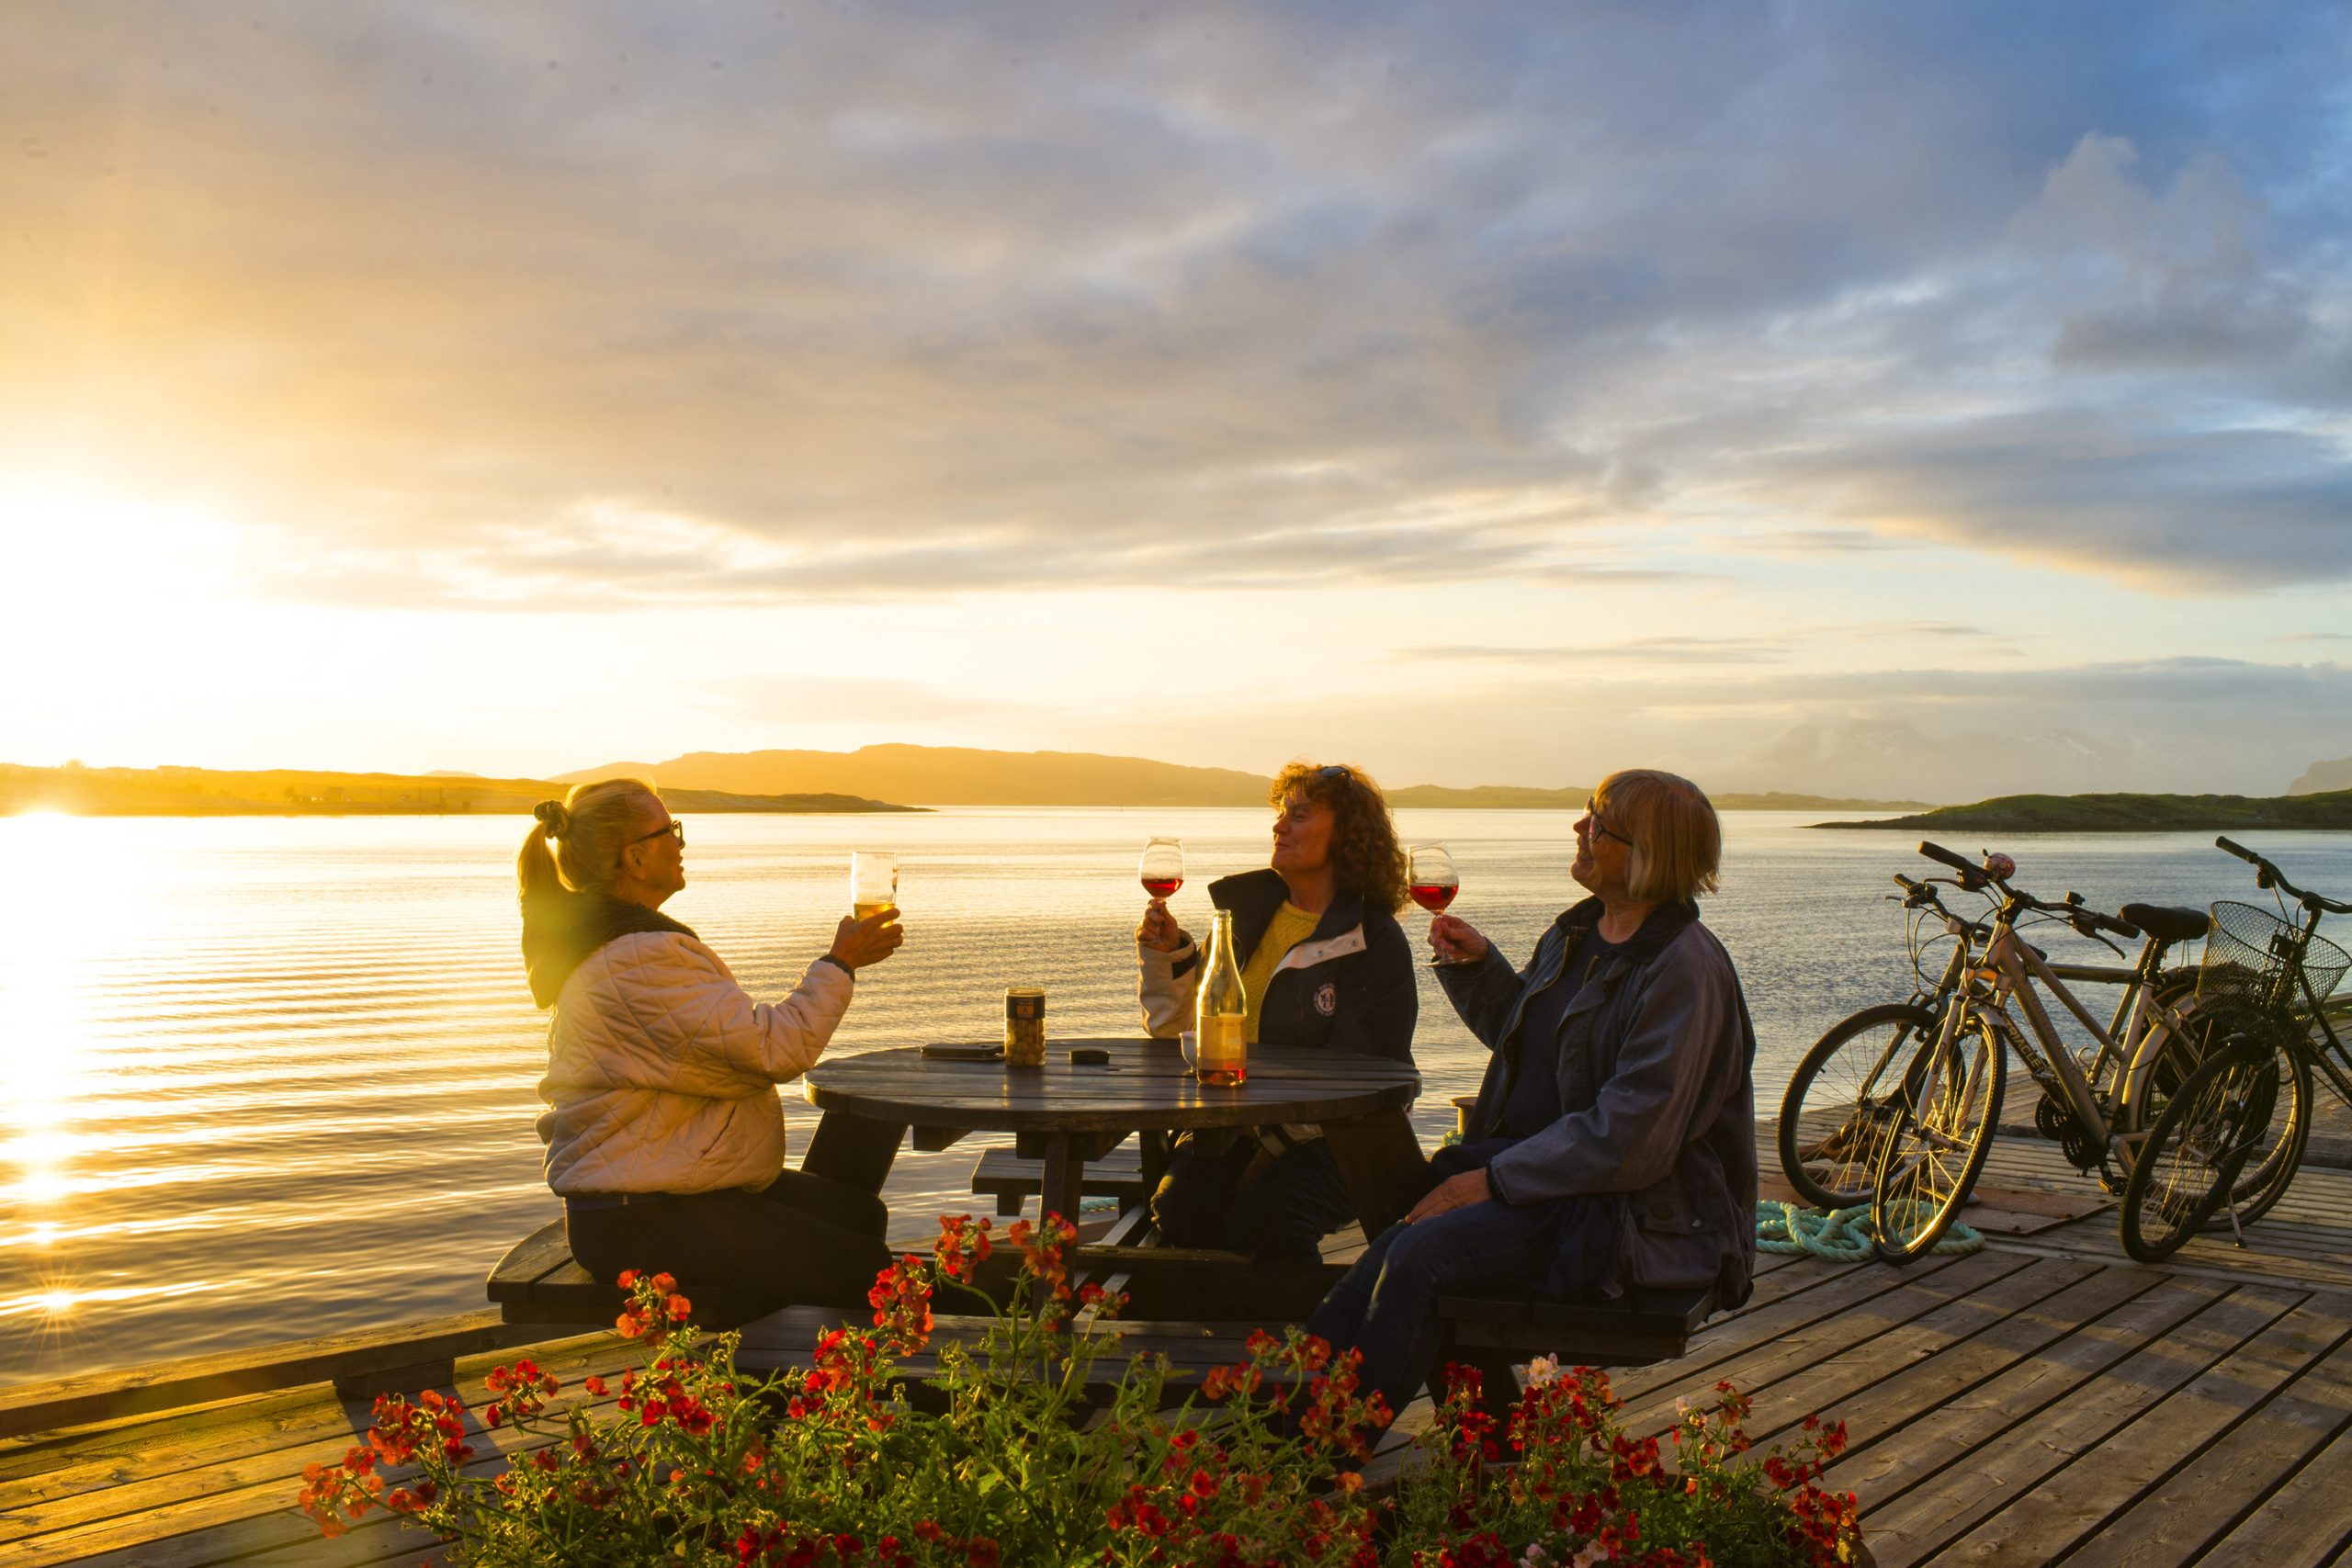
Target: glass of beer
point(872, 881)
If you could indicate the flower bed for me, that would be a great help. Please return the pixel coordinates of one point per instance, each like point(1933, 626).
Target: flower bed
point(831, 1468)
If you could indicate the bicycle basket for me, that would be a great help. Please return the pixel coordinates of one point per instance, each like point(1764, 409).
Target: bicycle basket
point(2249, 950)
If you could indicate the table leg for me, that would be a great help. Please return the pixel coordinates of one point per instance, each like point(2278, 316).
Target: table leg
point(1154, 1148)
point(1065, 1169)
point(1382, 1166)
point(854, 1149)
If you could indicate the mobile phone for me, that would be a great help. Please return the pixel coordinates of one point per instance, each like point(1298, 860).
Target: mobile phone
point(978, 1051)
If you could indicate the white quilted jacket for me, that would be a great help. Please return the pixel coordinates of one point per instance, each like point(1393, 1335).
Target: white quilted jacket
point(661, 1069)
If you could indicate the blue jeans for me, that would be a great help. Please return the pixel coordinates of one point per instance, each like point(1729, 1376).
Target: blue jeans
point(1386, 1307)
point(1210, 1198)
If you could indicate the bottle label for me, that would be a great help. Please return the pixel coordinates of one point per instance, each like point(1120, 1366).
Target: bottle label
point(1225, 1037)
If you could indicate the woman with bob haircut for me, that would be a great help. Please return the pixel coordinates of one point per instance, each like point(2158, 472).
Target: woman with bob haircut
point(1325, 966)
point(664, 1132)
point(1613, 1141)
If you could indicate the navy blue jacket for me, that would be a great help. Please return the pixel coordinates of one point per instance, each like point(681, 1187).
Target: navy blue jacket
point(1653, 1060)
point(1349, 987)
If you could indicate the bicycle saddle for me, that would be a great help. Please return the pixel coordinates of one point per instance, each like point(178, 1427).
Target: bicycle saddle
point(2167, 922)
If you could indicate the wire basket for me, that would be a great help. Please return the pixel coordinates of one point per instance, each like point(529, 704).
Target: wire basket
point(2249, 950)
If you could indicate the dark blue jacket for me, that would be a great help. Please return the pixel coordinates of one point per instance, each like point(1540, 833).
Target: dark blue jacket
point(1653, 1060)
point(1349, 987)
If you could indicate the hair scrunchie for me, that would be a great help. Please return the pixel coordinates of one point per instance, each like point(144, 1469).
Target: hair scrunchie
point(554, 820)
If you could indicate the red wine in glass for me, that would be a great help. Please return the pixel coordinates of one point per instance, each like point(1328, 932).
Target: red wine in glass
point(1161, 868)
point(1430, 878)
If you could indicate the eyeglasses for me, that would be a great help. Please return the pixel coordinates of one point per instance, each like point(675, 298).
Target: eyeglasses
point(676, 829)
point(1592, 815)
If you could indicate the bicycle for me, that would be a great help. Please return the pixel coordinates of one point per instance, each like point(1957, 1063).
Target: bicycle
point(2282, 972)
point(1839, 1102)
point(1950, 1098)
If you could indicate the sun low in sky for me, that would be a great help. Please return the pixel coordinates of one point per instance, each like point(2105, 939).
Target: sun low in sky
point(1923, 399)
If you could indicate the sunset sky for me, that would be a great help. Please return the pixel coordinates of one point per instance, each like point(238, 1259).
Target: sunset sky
point(1876, 398)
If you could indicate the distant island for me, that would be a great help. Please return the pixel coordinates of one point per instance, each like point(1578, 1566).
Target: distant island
point(956, 775)
point(1516, 797)
point(2323, 778)
point(289, 792)
point(2129, 814)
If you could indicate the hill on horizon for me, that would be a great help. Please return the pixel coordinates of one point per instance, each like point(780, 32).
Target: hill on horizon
point(2323, 778)
point(950, 775)
point(2130, 813)
point(305, 792)
point(959, 776)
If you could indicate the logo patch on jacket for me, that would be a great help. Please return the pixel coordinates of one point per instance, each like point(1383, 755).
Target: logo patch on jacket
point(1327, 999)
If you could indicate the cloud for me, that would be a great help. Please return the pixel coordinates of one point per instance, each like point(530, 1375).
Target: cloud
point(1653, 650)
point(931, 298)
point(1930, 733)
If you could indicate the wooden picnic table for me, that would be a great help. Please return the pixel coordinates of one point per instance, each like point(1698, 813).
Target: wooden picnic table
point(1066, 1114)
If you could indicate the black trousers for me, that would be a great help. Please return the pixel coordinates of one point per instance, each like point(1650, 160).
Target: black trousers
point(1221, 1190)
point(805, 1240)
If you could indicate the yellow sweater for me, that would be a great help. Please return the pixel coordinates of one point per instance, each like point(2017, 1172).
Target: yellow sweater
point(1290, 926)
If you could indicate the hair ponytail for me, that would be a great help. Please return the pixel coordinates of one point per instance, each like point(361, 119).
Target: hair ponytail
point(589, 828)
point(534, 868)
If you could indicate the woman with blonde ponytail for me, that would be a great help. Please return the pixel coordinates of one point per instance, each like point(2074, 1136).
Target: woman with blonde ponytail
point(664, 1131)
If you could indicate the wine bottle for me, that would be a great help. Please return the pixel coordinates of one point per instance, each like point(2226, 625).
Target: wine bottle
point(1223, 1016)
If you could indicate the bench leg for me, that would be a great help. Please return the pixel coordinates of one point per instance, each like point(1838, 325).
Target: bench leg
point(1008, 1204)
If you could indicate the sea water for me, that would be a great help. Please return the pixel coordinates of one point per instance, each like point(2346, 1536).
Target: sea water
point(265, 1078)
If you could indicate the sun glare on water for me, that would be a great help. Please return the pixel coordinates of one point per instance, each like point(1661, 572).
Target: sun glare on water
point(73, 881)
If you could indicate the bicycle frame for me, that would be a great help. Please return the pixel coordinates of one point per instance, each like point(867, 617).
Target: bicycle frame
point(2011, 968)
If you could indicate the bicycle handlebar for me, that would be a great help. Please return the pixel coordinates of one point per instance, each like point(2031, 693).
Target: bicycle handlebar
point(1970, 876)
point(1996, 872)
point(2266, 875)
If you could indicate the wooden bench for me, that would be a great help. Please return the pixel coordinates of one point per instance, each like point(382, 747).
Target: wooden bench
point(360, 1363)
point(1005, 1176)
point(1499, 1332)
point(537, 1281)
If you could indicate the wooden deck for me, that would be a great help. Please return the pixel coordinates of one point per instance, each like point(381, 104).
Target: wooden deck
point(2044, 1400)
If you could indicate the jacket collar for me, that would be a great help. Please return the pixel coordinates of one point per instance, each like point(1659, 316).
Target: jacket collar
point(560, 929)
point(1254, 896)
point(1659, 928)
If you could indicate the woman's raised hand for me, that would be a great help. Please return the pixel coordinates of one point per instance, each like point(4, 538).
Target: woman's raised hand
point(1160, 930)
point(857, 943)
point(1456, 941)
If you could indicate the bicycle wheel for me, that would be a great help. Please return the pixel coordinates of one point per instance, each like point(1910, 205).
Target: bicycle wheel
point(1840, 1102)
point(1943, 1128)
point(2211, 1027)
point(2194, 1153)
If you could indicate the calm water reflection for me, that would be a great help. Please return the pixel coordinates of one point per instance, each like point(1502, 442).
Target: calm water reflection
point(266, 1079)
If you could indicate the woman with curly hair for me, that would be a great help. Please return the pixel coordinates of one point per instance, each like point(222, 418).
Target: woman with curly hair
point(1325, 966)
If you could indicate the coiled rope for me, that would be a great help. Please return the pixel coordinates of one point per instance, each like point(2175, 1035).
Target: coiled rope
point(1842, 1235)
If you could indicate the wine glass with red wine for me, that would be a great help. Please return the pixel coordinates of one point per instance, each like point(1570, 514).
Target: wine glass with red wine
point(1161, 868)
point(1430, 878)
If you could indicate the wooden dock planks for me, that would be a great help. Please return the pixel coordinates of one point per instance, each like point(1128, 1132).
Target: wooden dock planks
point(2045, 1399)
